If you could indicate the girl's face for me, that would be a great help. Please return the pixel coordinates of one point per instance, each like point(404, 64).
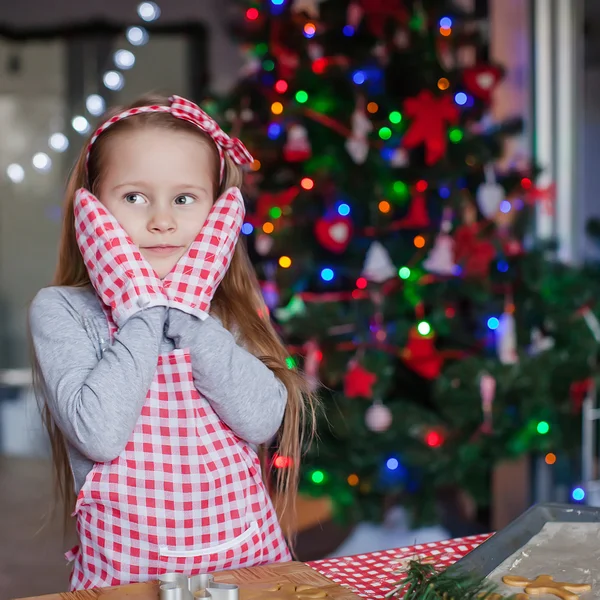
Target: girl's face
point(158, 184)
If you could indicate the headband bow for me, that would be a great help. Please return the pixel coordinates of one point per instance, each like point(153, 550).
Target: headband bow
point(188, 111)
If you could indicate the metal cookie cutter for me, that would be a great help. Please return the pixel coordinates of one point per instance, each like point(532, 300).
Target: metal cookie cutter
point(177, 586)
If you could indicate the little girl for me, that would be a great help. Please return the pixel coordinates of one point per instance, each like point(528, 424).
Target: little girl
point(159, 372)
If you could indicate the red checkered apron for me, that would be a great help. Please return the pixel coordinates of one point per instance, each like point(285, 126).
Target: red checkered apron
point(186, 495)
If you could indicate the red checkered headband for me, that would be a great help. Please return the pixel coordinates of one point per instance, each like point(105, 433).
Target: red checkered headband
point(188, 111)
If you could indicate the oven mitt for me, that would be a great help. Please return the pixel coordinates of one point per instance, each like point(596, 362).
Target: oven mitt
point(191, 284)
point(121, 276)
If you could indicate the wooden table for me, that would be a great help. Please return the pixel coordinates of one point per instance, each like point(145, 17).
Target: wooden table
point(256, 583)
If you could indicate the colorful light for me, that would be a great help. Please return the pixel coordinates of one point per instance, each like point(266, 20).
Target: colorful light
point(358, 77)
point(317, 477)
point(256, 165)
point(446, 22)
point(301, 96)
point(421, 185)
point(400, 188)
point(353, 480)
point(444, 192)
point(505, 206)
point(434, 439)
point(392, 464)
point(281, 86)
point(502, 266)
point(307, 183)
point(348, 30)
point(268, 65)
point(343, 209)
point(424, 328)
point(419, 241)
point(395, 117)
point(372, 107)
point(443, 84)
point(247, 228)
point(493, 323)
point(290, 362)
point(455, 134)
point(274, 131)
point(285, 262)
point(526, 183)
point(385, 133)
point(460, 98)
point(445, 31)
point(261, 49)
point(277, 2)
point(384, 207)
point(319, 65)
point(276, 108)
point(361, 283)
point(327, 274)
point(578, 494)
point(309, 30)
point(550, 458)
point(543, 427)
point(252, 14)
point(404, 272)
point(268, 227)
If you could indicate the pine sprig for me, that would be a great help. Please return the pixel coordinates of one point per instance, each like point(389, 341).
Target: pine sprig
point(425, 582)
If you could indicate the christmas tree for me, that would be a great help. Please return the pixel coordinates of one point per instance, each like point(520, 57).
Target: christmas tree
point(397, 260)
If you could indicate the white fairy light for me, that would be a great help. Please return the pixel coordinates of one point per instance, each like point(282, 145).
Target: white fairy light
point(95, 105)
point(42, 162)
point(148, 11)
point(58, 142)
point(114, 80)
point(15, 173)
point(124, 59)
point(80, 124)
point(137, 36)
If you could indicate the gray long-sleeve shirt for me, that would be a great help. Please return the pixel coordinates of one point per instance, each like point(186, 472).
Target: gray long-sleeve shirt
point(96, 390)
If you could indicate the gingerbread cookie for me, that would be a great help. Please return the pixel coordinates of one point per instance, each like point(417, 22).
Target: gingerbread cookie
point(283, 591)
point(545, 584)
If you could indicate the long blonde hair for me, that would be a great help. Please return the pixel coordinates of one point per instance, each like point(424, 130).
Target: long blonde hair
point(237, 303)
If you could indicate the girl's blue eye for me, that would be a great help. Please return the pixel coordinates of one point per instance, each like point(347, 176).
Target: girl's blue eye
point(184, 199)
point(134, 198)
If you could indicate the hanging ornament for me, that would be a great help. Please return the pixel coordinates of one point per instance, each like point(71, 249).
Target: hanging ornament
point(490, 194)
point(539, 342)
point(429, 117)
point(357, 144)
point(358, 382)
point(482, 80)
point(441, 258)
point(312, 361)
point(506, 339)
point(421, 356)
point(578, 391)
point(378, 417)
point(270, 293)
point(295, 308)
point(378, 265)
point(416, 217)
point(269, 200)
point(309, 7)
point(445, 53)
point(334, 233)
point(545, 196)
point(297, 146)
point(487, 389)
point(473, 254)
point(354, 15)
point(263, 244)
point(252, 65)
point(378, 12)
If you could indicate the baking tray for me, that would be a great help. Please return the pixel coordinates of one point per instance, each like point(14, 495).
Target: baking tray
point(485, 558)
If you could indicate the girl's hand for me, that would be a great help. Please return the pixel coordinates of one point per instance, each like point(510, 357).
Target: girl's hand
point(191, 285)
point(121, 276)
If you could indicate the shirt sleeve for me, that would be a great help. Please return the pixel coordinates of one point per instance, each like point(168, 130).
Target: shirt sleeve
point(95, 403)
point(241, 389)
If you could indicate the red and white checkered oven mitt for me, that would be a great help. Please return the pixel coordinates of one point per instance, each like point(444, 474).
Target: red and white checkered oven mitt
point(121, 276)
point(193, 281)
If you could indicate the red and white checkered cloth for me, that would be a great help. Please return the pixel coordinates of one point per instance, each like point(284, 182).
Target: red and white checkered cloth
point(191, 284)
point(372, 575)
point(121, 276)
